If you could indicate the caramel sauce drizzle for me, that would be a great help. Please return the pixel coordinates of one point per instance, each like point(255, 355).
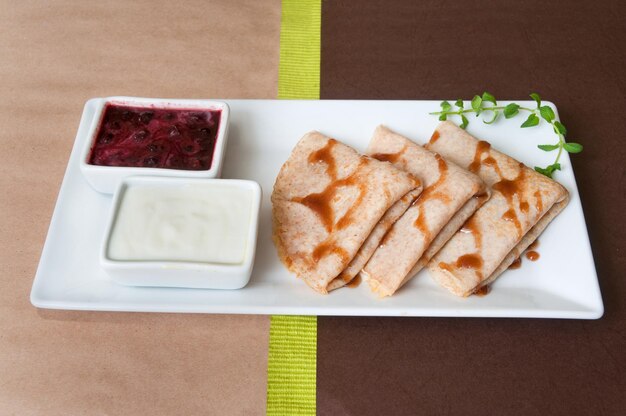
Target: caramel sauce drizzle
point(431, 193)
point(347, 218)
point(420, 223)
point(483, 290)
point(329, 247)
point(390, 157)
point(511, 216)
point(509, 188)
point(532, 255)
point(523, 206)
point(386, 237)
point(446, 267)
point(344, 276)
point(517, 263)
point(320, 202)
point(490, 161)
point(471, 227)
point(470, 261)
point(475, 260)
point(481, 148)
point(538, 201)
point(434, 137)
point(325, 155)
point(354, 282)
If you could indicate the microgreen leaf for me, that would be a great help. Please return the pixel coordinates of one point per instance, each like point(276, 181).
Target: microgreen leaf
point(531, 121)
point(548, 170)
point(465, 122)
point(489, 98)
point(573, 147)
point(548, 147)
point(496, 113)
point(544, 112)
point(476, 103)
point(547, 113)
point(511, 110)
point(559, 128)
point(537, 98)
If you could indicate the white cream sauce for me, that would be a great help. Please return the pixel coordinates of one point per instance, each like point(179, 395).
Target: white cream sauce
point(205, 223)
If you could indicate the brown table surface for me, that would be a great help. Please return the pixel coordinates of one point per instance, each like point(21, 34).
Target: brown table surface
point(574, 54)
point(54, 56)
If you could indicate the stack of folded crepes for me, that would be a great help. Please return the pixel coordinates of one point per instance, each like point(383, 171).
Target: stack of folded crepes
point(331, 206)
point(450, 197)
point(522, 204)
point(456, 204)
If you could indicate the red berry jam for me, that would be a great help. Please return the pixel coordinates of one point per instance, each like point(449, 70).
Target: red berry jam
point(155, 138)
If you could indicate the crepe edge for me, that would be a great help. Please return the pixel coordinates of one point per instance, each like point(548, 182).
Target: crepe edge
point(526, 241)
point(451, 228)
point(460, 288)
point(370, 244)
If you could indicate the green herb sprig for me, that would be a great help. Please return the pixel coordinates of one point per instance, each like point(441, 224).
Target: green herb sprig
point(488, 104)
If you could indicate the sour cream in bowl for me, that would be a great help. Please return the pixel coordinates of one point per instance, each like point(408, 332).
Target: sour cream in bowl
point(182, 232)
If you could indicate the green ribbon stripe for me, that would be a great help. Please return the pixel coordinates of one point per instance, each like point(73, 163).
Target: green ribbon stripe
point(292, 361)
point(292, 367)
point(300, 38)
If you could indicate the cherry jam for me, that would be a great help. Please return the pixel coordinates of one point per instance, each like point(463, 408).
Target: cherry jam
point(167, 138)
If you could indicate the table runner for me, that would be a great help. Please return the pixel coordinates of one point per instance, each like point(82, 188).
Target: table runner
point(292, 358)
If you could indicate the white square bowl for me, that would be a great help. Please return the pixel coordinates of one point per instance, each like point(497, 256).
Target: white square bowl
point(184, 274)
point(105, 179)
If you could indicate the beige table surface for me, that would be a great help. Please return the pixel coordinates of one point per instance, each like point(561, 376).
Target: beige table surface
point(53, 57)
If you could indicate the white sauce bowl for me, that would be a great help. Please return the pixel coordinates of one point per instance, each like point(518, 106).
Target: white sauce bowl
point(182, 232)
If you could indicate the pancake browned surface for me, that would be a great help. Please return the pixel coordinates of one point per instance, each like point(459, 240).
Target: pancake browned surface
point(522, 204)
point(327, 199)
point(449, 198)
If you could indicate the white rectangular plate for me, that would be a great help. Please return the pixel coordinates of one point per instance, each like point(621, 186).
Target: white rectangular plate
point(561, 284)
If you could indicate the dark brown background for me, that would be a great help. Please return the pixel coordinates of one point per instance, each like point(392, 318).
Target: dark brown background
point(572, 53)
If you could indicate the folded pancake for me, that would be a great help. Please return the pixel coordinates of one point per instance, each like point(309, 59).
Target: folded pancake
point(522, 204)
point(373, 240)
point(328, 203)
point(450, 197)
